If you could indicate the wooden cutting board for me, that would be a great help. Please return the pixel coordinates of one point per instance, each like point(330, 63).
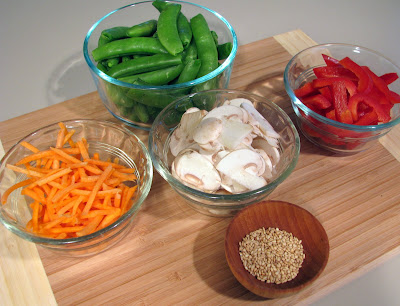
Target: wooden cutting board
point(176, 255)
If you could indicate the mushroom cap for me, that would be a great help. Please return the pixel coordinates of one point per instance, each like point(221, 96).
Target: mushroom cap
point(245, 167)
point(272, 151)
point(196, 171)
point(265, 127)
point(226, 111)
point(208, 130)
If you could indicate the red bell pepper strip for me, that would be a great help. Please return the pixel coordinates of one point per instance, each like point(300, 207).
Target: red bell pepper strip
point(394, 97)
point(319, 101)
point(364, 80)
point(342, 111)
point(304, 90)
point(370, 118)
point(355, 100)
point(326, 92)
point(349, 85)
point(331, 115)
point(378, 82)
point(389, 78)
point(330, 61)
point(334, 71)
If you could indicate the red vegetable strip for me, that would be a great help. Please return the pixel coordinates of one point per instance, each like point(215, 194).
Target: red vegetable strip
point(336, 71)
point(326, 92)
point(368, 119)
point(394, 97)
point(364, 81)
point(304, 90)
point(318, 101)
point(378, 82)
point(355, 100)
point(349, 85)
point(389, 78)
point(330, 61)
point(342, 111)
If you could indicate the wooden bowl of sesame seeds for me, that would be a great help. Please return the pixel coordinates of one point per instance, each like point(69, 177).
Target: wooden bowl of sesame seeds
point(275, 249)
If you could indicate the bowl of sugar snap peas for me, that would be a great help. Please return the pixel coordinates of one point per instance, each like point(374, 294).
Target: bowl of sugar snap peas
point(145, 55)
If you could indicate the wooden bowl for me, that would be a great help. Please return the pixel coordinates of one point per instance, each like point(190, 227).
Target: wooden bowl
point(285, 216)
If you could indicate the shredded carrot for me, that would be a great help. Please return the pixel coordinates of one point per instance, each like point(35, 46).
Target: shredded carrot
point(74, 194)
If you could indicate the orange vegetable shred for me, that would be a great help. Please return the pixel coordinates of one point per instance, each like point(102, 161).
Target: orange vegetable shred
point(73, 194)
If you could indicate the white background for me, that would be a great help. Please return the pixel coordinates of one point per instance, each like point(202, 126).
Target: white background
point(41, 64)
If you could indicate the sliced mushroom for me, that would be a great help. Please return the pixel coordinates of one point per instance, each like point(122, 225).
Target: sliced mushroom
point(208, 130)
point(182, 137)
point(265, 126)
point(272, 151)
point(244, 166)
point(196, 171)
point(233, 133)
point(226, 111)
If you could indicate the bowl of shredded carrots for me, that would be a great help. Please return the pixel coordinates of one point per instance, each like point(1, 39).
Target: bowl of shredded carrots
point(74, 186)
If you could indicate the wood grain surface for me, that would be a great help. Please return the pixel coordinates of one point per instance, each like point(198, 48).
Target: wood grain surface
point(176, 255)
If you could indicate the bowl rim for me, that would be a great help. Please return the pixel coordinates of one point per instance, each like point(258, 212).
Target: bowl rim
point(225, 65)
point(59, 242)
point(176, 184)
point(296, 101)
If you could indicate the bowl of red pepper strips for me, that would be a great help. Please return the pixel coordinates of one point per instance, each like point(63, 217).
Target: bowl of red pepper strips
point(145, 55)
point(344, 96)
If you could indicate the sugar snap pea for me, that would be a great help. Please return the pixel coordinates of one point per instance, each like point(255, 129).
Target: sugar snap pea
point(128, 46)
point(146, 28)
point(167, 29)
point(183, 25)
point(141, 111)
point(190, 71)
point(224, 50)
point(101, 67)
point(206, 48)
point(190, 53)
point(156, 77)
point(144, 64)
point(112, 62)
point(215, 37)
point(111, 34)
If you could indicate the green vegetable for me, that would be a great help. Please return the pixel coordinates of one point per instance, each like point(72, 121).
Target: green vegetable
point(111, 34)
point(206, 48)
point(144, 64)
point(153, 98)
point(190, 71)
point(168, 31)
point(128, 46)
point(112, 62)
point(190, 53)
point(215, 37)
point(141, 111)
point(207, 51)
point(157, 77)
point(146, 28)
point(224, 50)
point(183, 25)
point(101, 67)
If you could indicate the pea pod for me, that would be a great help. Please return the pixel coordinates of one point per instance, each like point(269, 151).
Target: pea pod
point(101, 67)
point(190, 71)
point(146, 28)
point(128, 46)
point(224, 50)
point(112, 34)
point(206, 48)
point(168, 31)
point(112, 62)
point(153, 98)
point(118, 96)
point(215, 37)
point(144, 64)
point(183, 25)
point(157, 77)
point(141, 111)
point(190, 53)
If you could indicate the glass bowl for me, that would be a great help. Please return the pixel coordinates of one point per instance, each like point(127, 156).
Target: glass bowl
point(219, 204)
point(126, 100)
point(110, 140)
point(330, 134)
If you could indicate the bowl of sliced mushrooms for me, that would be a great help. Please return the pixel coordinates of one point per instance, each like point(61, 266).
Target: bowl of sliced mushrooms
point(222, 150)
